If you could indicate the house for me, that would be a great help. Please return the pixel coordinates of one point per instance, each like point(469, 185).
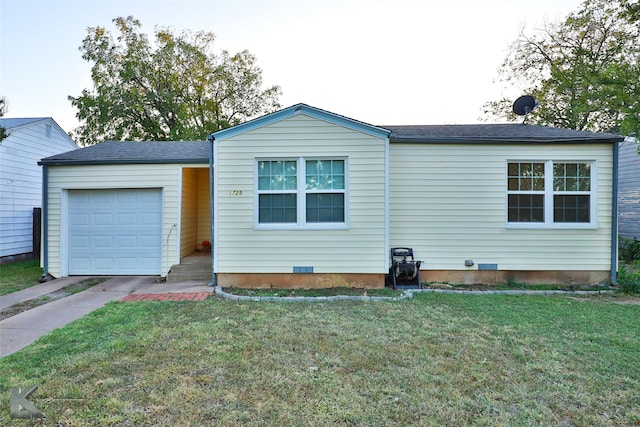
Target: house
point(307, 198)
point(29, 140)
point(629, 189)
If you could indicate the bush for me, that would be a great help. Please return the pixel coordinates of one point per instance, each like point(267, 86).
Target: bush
point(629, 250)
point(628, 278)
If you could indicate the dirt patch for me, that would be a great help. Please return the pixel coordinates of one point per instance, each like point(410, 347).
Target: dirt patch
point(517, 287)
point(52, 296)
point(615, 298)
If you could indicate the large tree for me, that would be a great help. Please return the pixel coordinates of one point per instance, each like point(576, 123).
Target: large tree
point(3, 110)
point(584, 71)
point(176, 88)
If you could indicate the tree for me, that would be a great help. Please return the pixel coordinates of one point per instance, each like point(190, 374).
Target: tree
point(632, 9)
point(584, 71)
point(3, 111)
point(176, 89)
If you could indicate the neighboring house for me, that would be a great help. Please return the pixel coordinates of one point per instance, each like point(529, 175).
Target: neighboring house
point(29, 140)
point(629, 189)
point(305, 197)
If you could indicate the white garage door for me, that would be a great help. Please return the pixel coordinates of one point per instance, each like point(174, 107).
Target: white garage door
point(115, 232)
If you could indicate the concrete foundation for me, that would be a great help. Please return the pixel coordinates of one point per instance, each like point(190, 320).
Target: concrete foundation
point(374, 281)
point(301, 280)
point(492, 277)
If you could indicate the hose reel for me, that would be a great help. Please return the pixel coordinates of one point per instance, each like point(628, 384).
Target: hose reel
point(405, 270)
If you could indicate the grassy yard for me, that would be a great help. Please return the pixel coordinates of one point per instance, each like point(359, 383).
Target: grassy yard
point(19, 275)
point(435, 360)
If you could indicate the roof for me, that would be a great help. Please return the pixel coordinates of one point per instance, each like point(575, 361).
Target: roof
point(155, 152)
point(120, 152)
point(11, 123)
point(495, 133)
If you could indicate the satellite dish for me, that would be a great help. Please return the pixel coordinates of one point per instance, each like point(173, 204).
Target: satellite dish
point(525, 105)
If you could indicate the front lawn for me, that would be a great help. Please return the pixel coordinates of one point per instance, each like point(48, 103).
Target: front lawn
point(434, 360)
point(19, 275)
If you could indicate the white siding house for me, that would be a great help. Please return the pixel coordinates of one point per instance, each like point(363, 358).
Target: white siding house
point(307, 198)
point(125, 208)
point(29, 140)
point(450, 203)
point(330, 158)
point(629, 189)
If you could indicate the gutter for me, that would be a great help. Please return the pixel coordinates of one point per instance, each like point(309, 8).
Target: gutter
point(497, 140)
point(214, 278)
point(68, 162)
point(614, 216)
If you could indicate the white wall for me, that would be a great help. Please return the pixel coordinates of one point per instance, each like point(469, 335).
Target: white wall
point(448, 202)
point(243, 249)
point(629, 190)
point(166, 177)
point(21, 180)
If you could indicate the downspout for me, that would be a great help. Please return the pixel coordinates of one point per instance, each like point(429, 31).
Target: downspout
point(44, 245)
point(614, 216)
point(214, 278)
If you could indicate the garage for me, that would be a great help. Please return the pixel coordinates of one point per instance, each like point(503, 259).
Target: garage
point(115, 231)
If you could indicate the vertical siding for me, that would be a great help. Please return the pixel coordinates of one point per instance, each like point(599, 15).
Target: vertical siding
point(21, 181)
point(63, 178)
point(448, 202)
point(629, 190)
point(360, 249)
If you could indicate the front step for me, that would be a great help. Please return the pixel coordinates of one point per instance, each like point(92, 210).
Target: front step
point(192, 268)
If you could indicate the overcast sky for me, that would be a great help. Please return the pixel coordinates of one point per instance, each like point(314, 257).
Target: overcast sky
point(383, 62)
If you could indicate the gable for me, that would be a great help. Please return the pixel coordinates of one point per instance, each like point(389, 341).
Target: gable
point(305, 110)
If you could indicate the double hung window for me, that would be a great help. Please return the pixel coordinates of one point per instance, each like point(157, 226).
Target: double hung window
point(551, 193)
point(302, 192)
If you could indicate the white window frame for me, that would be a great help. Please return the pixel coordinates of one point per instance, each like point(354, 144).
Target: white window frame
point(301, 199)
point(549, 192)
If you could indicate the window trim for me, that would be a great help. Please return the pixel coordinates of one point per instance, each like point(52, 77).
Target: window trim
point(301, 199)
point(549, 192)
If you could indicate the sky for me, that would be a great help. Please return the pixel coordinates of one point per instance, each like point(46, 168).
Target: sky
point(383, 62)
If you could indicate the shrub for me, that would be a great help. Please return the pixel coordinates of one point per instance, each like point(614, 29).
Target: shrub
point(628, 279)
point(629, 250)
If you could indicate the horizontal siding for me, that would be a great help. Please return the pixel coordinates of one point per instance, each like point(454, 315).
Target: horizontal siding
point(63, 178)
point(21, 181)
point(360, 249)
point(189, 217)
point(629, 190)
point(203, 208)
point(448, 202)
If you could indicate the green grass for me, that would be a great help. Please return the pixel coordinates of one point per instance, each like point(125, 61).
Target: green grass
point(19, 275)
point(434, 360)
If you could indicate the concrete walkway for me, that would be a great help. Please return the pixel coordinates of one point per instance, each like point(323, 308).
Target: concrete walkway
point(23, 329)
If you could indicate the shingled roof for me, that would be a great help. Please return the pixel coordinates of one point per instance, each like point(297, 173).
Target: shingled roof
point(119, 152)
point(495, 133)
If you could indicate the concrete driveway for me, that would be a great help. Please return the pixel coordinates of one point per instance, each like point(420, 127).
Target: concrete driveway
point(23, 329)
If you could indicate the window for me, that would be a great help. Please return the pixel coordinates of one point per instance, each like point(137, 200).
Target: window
point(277, 187)
point(301, 192)
point(553, 193)
point(571, 192)
point(526, 192)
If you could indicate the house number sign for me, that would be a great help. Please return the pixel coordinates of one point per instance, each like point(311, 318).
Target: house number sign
point(235, 192)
